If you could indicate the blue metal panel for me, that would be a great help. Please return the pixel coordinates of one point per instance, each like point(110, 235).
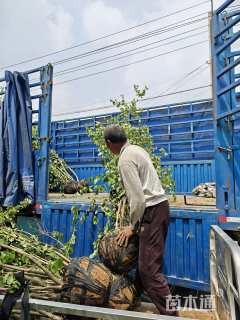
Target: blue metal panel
point(187, 248)
point(236, 141)
point(184, 130)
point(226, 107)
point(58, 217)
point(186, 174)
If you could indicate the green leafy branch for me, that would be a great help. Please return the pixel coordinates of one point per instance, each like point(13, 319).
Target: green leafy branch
point(129, 117)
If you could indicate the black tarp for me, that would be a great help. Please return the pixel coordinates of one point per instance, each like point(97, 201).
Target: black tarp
point(16, 161)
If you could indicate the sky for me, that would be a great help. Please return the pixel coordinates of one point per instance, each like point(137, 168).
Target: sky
point(34, 28)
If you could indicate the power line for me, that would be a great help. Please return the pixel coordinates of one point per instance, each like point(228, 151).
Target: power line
point(145, 99)
point(192, 76)
point(83, 55)
point(192, 72)
point(143, 36)
point(105, 59)
point(104, 36)
point(131, 63)
point(176, 92)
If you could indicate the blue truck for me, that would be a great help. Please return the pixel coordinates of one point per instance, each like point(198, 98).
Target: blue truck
point(188, 256)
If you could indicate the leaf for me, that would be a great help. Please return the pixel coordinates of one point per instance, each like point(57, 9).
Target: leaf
point(83, 218)
point(56, 266)
point(95, 219)
point(74, 211)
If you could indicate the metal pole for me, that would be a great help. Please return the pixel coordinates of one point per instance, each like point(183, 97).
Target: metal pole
point(92, 312)
point(210, 15)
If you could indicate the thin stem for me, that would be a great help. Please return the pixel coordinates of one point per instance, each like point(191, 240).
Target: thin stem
point(35, 260)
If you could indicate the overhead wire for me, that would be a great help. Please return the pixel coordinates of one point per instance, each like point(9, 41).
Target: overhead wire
point(192, 76)
point(104, 60)
point(144, 99)
point(141, 37)
point(176, 92)
point(194, 72)
point(131, 63)
point(104, 36)
point(173, 27)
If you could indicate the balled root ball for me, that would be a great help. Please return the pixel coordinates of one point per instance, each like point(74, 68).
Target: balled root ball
point(122, 294)
point(76, 186)
point(118, 259)
point(86, 282)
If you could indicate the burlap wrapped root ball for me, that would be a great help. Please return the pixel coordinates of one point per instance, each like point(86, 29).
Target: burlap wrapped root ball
point(86, 282)
point(118, 259)
point(122, 294)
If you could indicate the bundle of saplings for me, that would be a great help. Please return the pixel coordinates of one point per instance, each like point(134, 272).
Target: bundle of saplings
point(93, 283)
point(58, 172)
point(61, 177)
point(119, 259)
point(41, 265)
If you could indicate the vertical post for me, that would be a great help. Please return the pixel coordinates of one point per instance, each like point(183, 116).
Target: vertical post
point(53, 134)
point(45, 109)
point(211, 38)
point(223, 132)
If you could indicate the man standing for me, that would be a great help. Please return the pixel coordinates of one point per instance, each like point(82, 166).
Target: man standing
point(149, 212)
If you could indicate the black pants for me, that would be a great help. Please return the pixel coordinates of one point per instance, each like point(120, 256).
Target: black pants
point(152, 238)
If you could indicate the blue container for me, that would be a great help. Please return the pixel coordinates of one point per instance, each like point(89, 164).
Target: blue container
point(57, 216)
point(186, 174)
point(189, 174)
point(184, 130)
point(187, 249)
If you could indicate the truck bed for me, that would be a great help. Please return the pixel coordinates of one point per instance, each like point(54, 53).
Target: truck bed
point(192, 202)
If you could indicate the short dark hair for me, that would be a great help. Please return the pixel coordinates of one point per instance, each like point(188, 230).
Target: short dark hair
point(115, 134)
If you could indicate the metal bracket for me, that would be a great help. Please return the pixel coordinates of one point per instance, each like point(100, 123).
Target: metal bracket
point(229, 150)
point(40, 160)
point(45, 85)
point(229, 114)
point(226, 61)
point(229, 120)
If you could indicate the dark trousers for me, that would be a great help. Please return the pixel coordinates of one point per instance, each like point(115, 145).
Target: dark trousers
point(152, 238)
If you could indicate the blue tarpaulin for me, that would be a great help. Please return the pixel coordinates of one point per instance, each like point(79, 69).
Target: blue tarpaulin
point(16, 161)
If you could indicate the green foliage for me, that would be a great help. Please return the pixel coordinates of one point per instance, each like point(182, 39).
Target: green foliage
point(35, 141)
point(58, 168)
point(137, 134)
point(70, 243)
point(8, 215)
point(29, 244)
point(8, 280)
point(58, 172)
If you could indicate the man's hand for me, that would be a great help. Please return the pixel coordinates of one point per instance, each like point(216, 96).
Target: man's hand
point(124, 235)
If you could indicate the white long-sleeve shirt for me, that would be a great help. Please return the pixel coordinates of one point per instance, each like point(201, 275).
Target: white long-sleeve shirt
point(140, 180)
